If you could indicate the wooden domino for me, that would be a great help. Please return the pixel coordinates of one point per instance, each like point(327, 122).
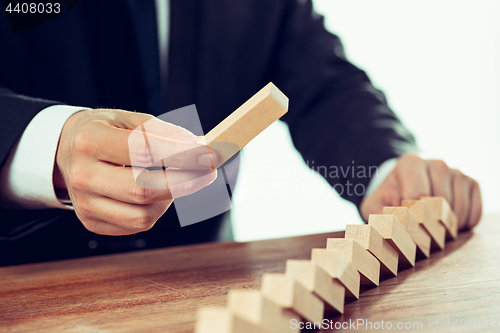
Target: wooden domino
point(373, 242)
point(277, 318)
point(223, 320)
point(251, 118)
point(424, 215)
point(445, 214)
point(258, 313)
point(312, 289)
point(290, 294)
point(317, 281)
point(417, 232)
point(393, 232)
point(367, 265)
point(338, 267)
point(214, 320)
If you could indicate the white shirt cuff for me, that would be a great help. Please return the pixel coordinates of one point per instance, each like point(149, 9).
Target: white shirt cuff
point(380, 175)
point(26, 180)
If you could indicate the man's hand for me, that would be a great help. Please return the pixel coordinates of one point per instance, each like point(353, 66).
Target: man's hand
point(109, 198)
point(414, 177)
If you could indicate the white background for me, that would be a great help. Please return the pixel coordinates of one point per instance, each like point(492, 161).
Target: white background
point(438, 63)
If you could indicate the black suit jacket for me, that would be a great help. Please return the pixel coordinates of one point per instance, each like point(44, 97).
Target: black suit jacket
point(220, 53)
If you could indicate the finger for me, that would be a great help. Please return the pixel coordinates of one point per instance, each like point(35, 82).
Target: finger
point(476, 205)
point(159, 127)
point(130, 218)
point(105, 228)
point(461, 193)
point(145, 149)
point(124, 147)
point(413, 177)
point(388, 194)
point(440, 180)
point(120, 184)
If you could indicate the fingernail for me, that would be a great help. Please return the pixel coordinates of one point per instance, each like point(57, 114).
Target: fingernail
point(208, 161)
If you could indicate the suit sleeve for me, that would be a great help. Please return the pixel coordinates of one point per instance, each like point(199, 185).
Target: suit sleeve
point(338, 121)
point(17, 111)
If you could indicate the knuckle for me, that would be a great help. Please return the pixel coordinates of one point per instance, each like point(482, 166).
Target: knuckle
point(143, 220)
point(141, 195)
point(439, 166)
point(85, 220)
point(82, 141)
point(411, 159)
point(84, 210)
point(90, 227)
point(94, 227)
point(459, 176)
point(414, 194)
point(77, 178)
point(475, 184)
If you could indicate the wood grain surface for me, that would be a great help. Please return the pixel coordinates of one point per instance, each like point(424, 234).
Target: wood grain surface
point(160, 290)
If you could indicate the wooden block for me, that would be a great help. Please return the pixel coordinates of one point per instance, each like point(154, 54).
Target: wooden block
point(338, 267)
point(317, 281)
point(261, 314)
point(290, 294)
point(445, 214)
point(276, 318)
point(393, 232)
point(417, 232)
point(372, 241)
point(251, 118)
point(423, 213)
point(367, 265)
point(213, 320)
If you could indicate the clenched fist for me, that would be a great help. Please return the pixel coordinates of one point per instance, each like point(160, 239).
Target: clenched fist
point(414, 177)
point(95, 152)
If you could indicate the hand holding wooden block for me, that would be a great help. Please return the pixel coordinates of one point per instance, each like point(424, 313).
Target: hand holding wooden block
point(417, 232)
point(424, 215)
point(367, 265)
point(317, 281)
point(372, 241)
point(393, 232)
point(251, 118)
point(338, 267)
point(290, 294)
point(445, 214)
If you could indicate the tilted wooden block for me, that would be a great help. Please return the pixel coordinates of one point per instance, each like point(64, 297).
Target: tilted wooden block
point(316, 280)
point(445, 214)
point(213, 320)
point(277, 318)
point(424, 215)
point(251, 118)
point(372, 241)
point(290, 294)
point(223, 320)
point(417, 232)
point(367, 265)
point(260, 314)
point(393, 232)
point(338, 267)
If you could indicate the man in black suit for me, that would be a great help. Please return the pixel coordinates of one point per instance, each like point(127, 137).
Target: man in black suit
point(122, 55)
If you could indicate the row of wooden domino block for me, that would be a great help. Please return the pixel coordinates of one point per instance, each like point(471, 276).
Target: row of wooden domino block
point(311, 290)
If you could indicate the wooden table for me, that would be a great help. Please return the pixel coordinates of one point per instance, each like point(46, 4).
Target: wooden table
point(160, 290)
